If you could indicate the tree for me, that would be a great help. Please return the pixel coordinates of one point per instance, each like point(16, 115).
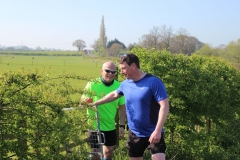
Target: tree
point(155, 37)
point(192, 44)
point(207, 50)
point(131, 46)
point(145, 41)
point(80, 44)
point(110, 43)
point(163, 38)
point(115, 49)
point(158, 37)
point(233, 49)
point(179, 41)
point(95, 45)
point(166, 35)
point(38, 48)
point(183, 43)
point(102, 41)
point(151, 40)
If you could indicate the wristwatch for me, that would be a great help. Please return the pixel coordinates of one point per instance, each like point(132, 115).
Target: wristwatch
point(123, 126)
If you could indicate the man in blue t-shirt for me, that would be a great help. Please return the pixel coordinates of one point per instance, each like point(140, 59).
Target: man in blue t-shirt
point(147, 108)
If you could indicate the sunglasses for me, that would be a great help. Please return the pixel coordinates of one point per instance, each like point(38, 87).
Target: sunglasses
point(110, 71)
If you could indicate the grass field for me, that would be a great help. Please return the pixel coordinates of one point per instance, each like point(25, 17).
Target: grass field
point(47, 53)
point(54, 65)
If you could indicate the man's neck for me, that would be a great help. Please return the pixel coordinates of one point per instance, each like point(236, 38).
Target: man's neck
point(107, 83)
point(139, 75)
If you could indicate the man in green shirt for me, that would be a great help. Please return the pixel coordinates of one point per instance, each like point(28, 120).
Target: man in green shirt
point(97, 89)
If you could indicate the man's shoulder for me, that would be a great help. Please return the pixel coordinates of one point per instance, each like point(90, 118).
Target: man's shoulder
point(152, 77)
point(148, 75)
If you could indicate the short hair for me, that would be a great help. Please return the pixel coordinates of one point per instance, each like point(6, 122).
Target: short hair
point(129, 59)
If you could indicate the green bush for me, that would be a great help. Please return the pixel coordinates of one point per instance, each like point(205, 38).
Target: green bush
point(204, 104)
point(33, 123)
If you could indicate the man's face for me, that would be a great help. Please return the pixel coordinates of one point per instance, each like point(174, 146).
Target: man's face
point(108, 73)
point(125, 70)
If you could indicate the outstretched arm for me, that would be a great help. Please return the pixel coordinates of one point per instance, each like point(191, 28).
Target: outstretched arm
point(108, 98)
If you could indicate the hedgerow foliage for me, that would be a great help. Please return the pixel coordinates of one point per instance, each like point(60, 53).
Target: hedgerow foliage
point(205, 105)
point(33, 124)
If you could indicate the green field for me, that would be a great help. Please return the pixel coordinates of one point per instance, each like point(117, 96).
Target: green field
point(46, 53)
point(54, 65)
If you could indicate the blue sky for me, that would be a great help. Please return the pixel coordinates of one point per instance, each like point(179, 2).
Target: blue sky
point(58, 23)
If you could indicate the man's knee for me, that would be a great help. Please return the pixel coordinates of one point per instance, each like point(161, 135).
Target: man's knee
point(108, 151)
point(158, 156)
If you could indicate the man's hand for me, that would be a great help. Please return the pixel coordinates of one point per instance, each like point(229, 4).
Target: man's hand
point(87, 103)
point(155, 137)
point(89, 100)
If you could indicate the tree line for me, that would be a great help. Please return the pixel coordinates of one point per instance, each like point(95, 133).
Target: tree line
point(160, 38)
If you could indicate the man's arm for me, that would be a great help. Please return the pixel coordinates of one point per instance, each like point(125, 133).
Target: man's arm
point(108, 98)
point(163, 112)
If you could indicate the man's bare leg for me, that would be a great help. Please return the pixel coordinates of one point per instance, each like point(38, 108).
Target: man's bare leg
point(108, 151)
point(158, 156)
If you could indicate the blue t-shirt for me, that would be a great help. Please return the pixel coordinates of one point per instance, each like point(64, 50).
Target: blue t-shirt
point(141, 100)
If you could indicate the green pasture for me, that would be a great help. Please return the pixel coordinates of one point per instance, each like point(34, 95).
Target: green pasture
point(47, 53)
point(54, 66)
